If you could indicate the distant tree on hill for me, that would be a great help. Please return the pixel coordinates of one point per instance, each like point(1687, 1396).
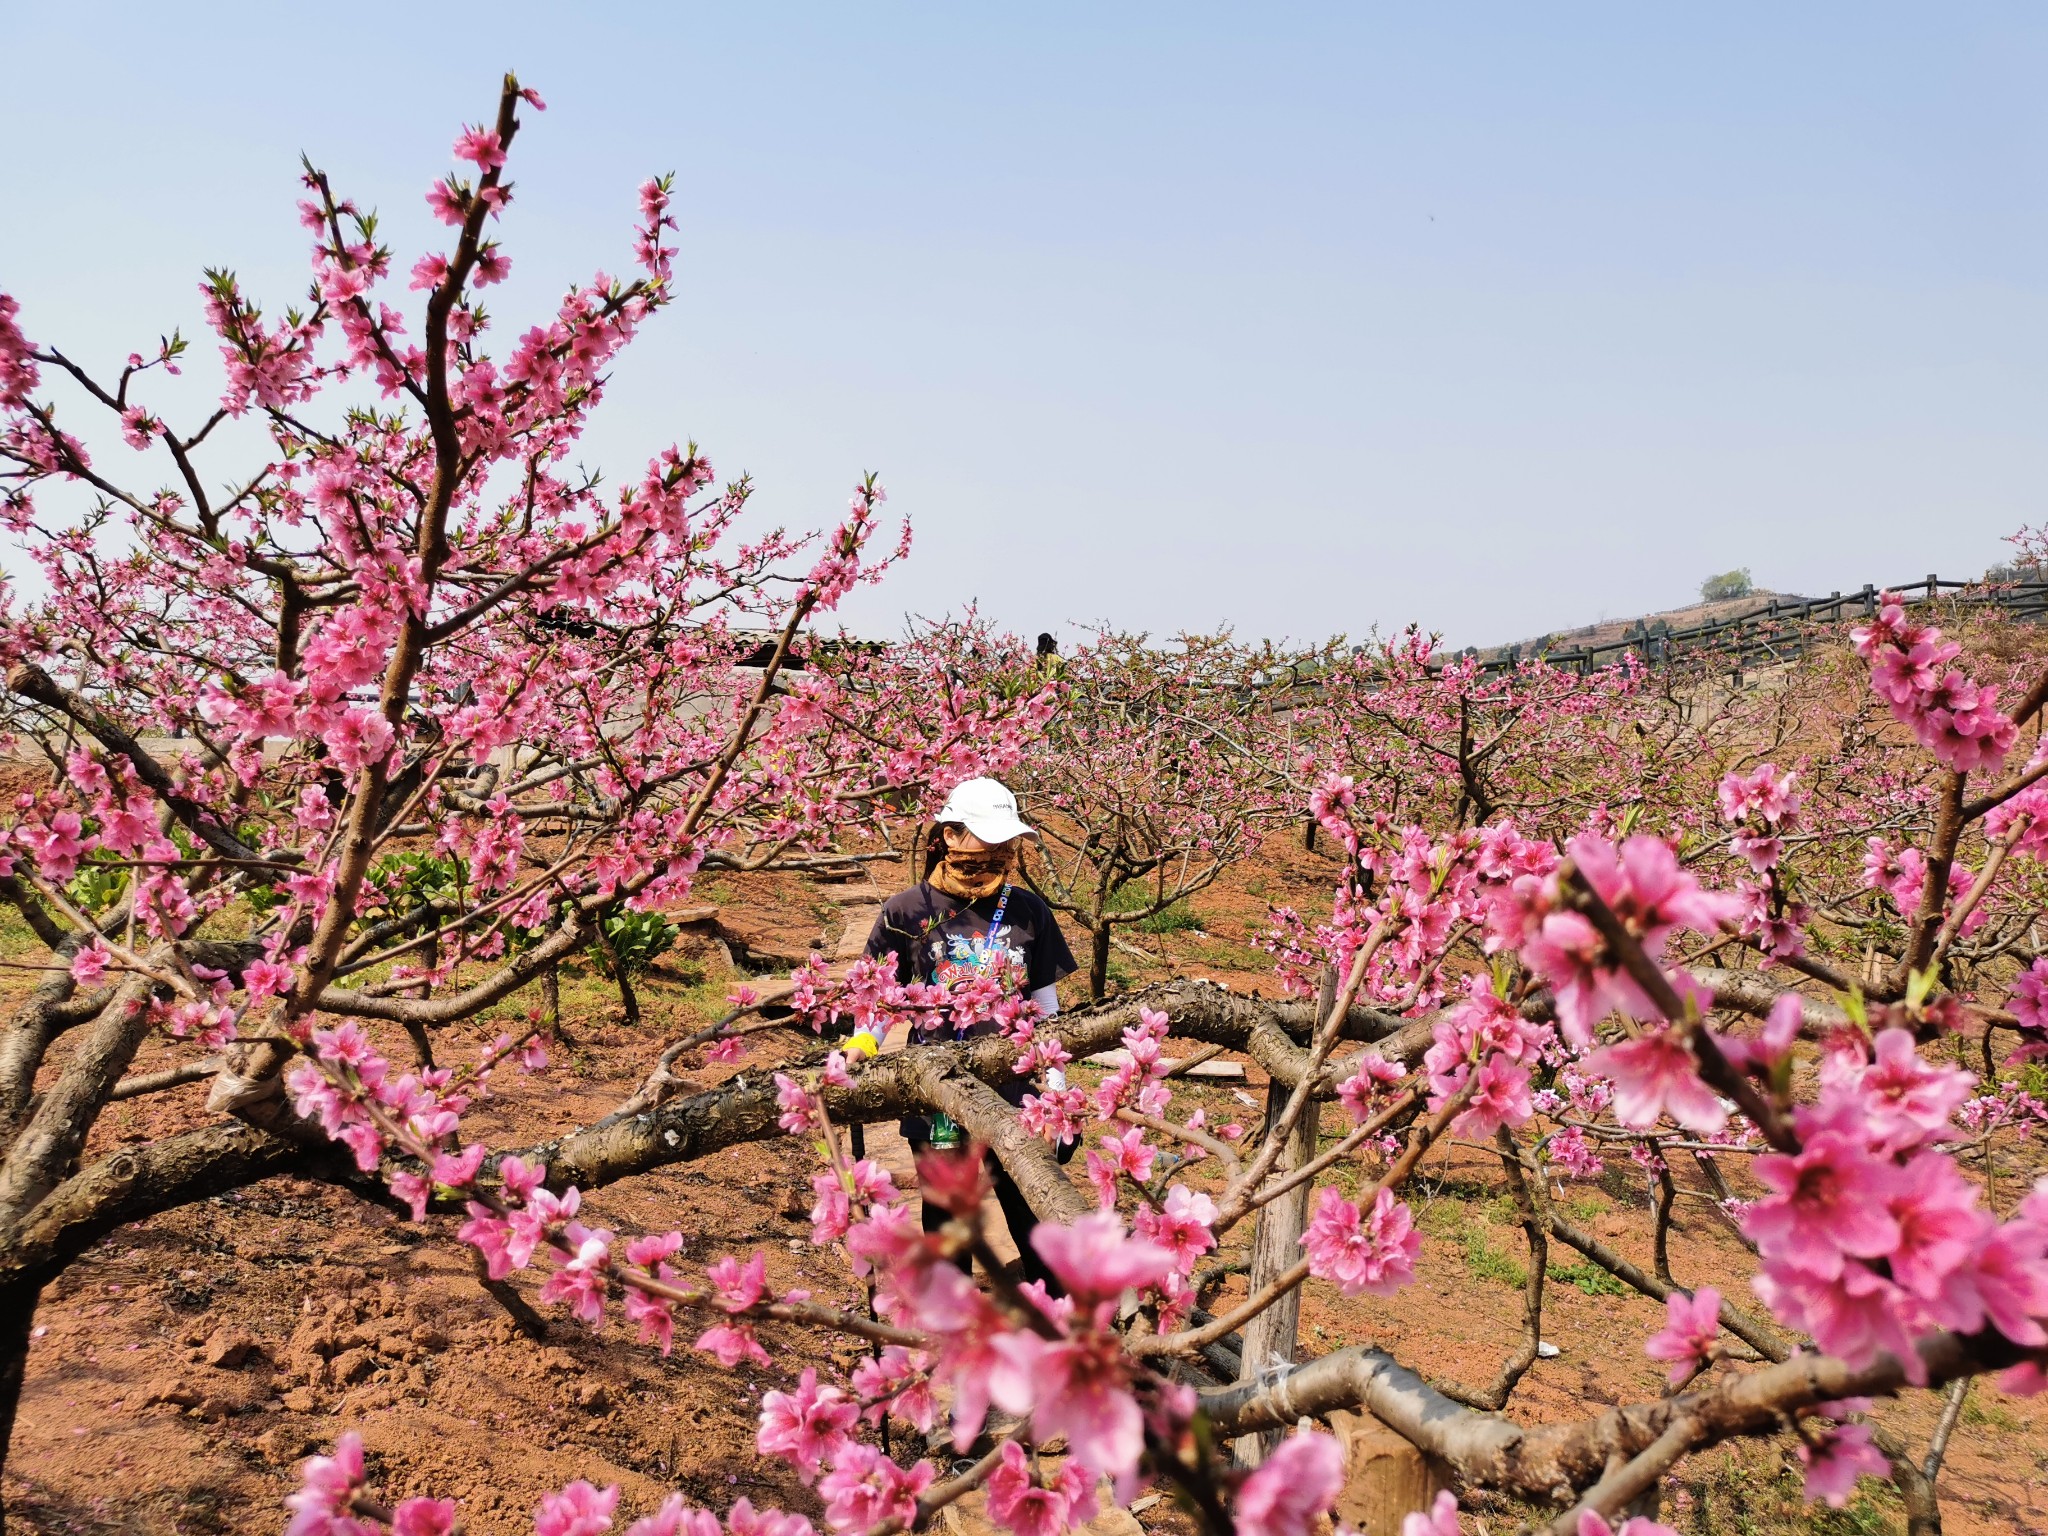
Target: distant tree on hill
point(2030, 552)
point(1718, 589)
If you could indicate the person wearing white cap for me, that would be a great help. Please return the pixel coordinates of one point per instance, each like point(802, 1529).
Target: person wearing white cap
point(969, 917)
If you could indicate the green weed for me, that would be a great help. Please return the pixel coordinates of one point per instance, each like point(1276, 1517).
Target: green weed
point(1584, 1208)
point(1177, 918)
point(637, 938)
point(1439, 1218)
point(1487, 1262)
point(1757, 1491)
point(1452, 1186)
point(97, 885)
point(1136, 897)
point(1590, 1278)
point(1980, 1411)
point(1228, 956)
point(1349, 1179)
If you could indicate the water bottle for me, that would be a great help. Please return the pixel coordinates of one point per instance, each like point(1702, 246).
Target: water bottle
point(945, 1132)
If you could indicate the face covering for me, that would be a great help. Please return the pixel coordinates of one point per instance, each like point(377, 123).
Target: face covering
point(986, 870)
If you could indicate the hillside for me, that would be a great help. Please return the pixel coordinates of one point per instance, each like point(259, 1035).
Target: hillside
point(1613, 631)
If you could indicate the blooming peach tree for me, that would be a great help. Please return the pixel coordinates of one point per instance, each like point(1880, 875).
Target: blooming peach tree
point(408, 638)
point(1549, 1002)
point(412, 629)
point(1155, 776)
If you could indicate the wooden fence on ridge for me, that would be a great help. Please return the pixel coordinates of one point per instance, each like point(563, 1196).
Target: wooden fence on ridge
point(1779, 630)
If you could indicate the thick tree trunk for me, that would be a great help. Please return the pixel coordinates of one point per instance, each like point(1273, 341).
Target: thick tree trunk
point(138, 1182)
point(1271, 1337)
point(422, 1043)
point(17, 1316)
point(47, 1149)
point(23, 1042)
point(628, 1000)
point(988, 1118)
point(1916, 1493)
point(551, 996)
point(744, 1109)
point(1098, 963)
point(1918, 1482)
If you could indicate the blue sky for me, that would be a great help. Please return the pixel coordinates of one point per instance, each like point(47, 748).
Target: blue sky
point(1301, 318)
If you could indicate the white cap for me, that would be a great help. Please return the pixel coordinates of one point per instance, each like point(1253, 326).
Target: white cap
point(986, 809)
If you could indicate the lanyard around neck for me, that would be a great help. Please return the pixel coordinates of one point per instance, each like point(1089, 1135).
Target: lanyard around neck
point(995, 923)
point(988, 943)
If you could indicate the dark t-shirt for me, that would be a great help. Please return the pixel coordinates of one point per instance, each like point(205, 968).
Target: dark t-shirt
point(940, 938)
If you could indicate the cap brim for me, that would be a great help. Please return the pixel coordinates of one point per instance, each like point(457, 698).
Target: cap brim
point(996, 827)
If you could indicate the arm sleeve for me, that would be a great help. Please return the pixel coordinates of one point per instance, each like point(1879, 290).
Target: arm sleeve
point(886, 939)
point(1048, 1001)
point(1050, 958)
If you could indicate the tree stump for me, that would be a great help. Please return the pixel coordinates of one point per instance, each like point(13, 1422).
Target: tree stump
point(1385, 1478)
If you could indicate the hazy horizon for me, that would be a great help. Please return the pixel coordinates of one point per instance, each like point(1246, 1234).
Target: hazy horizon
point(1302, 320)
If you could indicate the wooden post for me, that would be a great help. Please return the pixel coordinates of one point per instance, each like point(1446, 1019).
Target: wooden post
point(1385, 1478)
point(1270, 1338)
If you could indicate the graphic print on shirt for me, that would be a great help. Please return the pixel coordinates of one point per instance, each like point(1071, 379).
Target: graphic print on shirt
point(959, 956)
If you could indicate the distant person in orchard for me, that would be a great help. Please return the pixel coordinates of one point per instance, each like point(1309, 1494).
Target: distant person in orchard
point(969, 916)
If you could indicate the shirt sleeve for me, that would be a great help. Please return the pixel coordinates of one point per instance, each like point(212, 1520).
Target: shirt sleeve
point(887, 939)
point(1050, 959)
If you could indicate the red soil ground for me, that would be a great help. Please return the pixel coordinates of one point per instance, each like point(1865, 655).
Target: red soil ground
point(182, 1369)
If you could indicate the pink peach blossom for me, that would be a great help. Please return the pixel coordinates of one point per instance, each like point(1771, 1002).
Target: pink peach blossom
point(1299, 1480)
point(1838, 1457)
point(1689, 1336)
